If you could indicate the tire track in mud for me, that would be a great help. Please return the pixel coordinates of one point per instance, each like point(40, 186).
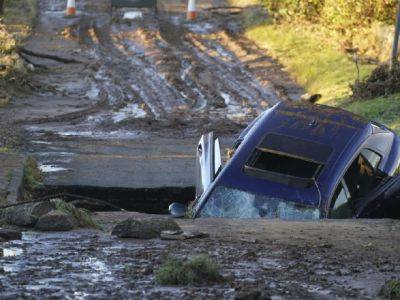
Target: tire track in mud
point(208, 83)
point(154, 73)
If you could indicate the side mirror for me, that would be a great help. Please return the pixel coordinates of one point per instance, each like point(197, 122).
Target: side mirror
point(177, 210)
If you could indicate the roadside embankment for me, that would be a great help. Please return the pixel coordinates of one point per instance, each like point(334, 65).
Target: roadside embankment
point(323, 61)
point(15, 26)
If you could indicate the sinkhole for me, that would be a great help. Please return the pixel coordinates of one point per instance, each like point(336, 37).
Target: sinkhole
point(144, 200)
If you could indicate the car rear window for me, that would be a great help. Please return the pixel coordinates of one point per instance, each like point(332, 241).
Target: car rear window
point(287, 160)
point(283, 164)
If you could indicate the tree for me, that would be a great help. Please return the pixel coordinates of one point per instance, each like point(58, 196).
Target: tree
point(395, 50)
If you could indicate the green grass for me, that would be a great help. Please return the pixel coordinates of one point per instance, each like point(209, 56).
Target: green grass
point(198, 270)
point(32, 175)
point(83, 216)
point(391, 290)
point(318, 68)
point(385, 110)
point(5, 150)
point(322, 69)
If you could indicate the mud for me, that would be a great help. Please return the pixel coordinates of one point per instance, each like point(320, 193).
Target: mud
point(326, 260)
point(130, 76)
point(116, 97)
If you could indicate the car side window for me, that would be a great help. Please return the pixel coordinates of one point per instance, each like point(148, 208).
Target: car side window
point(372, 157)
point(341, 205)
point(362, 175)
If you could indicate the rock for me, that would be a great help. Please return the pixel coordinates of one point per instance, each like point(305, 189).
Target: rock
point(9, 234)
point(144, 229)
point(26, 214)
point(30, 67)
point(251, 295)
point(172, 235)
point(56, 221)
point(92, 205)
point(179, 235)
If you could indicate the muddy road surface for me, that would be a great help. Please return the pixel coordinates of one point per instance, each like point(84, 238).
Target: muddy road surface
point(118, 95)
point(114, 107)
point(259, 259)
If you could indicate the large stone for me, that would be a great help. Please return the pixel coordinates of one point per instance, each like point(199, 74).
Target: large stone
point(26, 214)
point(56, 221)
point(10, 234)
point(144, 229)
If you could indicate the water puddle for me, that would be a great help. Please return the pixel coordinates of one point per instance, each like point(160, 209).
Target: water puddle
point(51, 168)
point(133, 15)
point(132, 110)
point(12, 252)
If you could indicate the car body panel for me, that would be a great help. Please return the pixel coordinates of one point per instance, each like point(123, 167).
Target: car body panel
point(345, 133)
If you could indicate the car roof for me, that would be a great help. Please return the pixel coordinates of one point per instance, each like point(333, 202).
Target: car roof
point(317, 124)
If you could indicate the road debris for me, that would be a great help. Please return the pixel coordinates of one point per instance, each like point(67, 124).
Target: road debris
point(182, 235)
point(144, 229)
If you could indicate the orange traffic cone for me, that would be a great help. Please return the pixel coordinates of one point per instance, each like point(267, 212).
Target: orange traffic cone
point(191, 13)
point(71, 8)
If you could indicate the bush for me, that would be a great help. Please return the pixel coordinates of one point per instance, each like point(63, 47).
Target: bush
point(344, 14)
point(381, 82)
point(197, 270)
point(289, 9)
point(337, 13)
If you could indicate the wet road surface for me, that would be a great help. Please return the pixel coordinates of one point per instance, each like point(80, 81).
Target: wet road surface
point(116, 89)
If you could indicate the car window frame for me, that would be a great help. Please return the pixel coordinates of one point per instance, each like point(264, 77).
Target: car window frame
point(366, 146)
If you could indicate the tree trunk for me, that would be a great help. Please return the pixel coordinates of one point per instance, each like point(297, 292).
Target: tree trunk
point(395, 50)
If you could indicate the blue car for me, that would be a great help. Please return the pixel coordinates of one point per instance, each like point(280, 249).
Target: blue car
point(300, 161)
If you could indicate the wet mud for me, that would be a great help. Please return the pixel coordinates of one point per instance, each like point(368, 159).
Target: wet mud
point(127, 76)
point(268, 264)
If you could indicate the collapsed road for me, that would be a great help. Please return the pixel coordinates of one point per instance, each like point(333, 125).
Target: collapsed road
point(113, 110)
point(126, 96)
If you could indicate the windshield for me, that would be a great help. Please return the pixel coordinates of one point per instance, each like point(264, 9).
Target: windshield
point(225, 202)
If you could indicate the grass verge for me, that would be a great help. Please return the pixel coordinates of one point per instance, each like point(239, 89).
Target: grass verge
point(318, 68)
point(322, 69)
point(318, 65)
point(200, 269)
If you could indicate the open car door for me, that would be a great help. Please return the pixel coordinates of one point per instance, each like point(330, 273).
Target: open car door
point(208, 162)
point(382, 202)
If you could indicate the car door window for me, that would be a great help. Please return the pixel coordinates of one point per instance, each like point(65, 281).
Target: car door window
point(372, 157)
point(362, 176)
point(341, 207)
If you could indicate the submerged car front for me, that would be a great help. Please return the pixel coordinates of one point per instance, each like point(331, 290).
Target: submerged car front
point(285, 166)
